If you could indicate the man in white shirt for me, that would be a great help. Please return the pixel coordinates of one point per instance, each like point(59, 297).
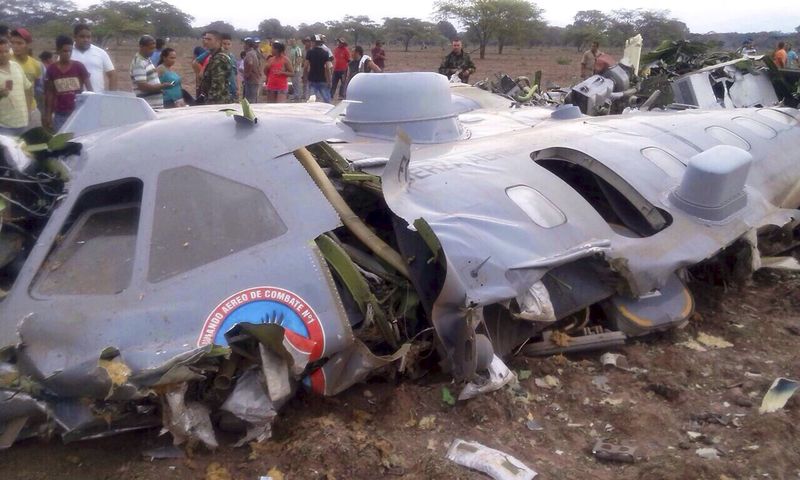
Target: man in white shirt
point(95, 59)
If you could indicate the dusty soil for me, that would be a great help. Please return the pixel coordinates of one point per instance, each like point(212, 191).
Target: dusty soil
point(402, 428)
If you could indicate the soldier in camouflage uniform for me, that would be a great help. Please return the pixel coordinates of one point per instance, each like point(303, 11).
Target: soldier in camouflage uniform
point(457, 61)
point(214, 85)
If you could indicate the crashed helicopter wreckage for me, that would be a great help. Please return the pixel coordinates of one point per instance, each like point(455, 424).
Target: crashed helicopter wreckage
point(178, 282)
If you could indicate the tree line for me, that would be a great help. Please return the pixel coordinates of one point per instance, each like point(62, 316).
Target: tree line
point(481, 23)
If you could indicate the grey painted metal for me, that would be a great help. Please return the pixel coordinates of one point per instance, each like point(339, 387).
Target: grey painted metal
point(155, 326)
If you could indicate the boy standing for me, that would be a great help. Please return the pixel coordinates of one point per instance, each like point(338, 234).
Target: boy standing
point(64, 80)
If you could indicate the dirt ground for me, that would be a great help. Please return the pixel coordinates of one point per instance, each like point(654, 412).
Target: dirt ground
point(402, 428)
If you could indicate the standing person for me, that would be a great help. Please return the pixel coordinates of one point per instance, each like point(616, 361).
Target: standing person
point(227, 45)
point(296, 58)
point(316, 69)
point(14, 93)
point(156, 56)
point(173, 92)
point(278, 70)
point(253, 68)
point(95, 59)
point(379, 55)
point(64, 80)
point(589, 60)
point(214, 85)
point(365, 63)
point(779, 57)
point(21, 41)
point(307, 45)
point(341, 56)
point(266, 48)
point(46, 57)
point(791, 57)
point(144, 76)
point(457, 62)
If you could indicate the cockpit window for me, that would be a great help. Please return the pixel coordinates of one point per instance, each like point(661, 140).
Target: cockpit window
point(201, 217)
point(96, 252)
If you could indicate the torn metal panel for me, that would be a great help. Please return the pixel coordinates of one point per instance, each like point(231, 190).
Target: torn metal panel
point(251, 402)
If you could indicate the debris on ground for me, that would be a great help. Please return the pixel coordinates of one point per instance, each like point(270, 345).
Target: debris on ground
point(496, 464)
point(708, 453)
point(778, 394)
point(615, 452)
point(547, 382)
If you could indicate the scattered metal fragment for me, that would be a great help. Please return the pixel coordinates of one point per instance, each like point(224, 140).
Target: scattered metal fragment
point(187, 421)
point(164, 452)
point(548, 382)
point(534, 425)
point(608, 450)
point(496, 464)
point(708, 453)
point(778, 394)
point(499, 376)
point(250, 401)
point(601, 382)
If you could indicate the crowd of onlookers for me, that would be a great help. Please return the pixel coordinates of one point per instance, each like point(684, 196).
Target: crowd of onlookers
point(42, 91)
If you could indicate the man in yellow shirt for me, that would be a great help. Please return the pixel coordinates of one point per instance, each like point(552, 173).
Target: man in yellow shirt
point(14, 91)
point(266, 48)
point(21, 40)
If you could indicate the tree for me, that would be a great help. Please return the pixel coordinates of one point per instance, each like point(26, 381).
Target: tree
point(447, 30)
point(271, 28)
point(219, 25)
point(32, 13)
point(117, 19)
point(406, 29)
point(588, 26)
point(168, 20)
point(517, 20)
point(309, 30)
point(358, 28)
point(481, 17)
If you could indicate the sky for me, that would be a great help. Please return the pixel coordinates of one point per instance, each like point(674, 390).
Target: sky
point(701, 17)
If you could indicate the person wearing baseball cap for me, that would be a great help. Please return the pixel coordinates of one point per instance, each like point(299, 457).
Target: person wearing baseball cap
point(21, 40)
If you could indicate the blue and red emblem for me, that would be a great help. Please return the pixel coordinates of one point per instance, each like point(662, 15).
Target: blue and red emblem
point(300, 322)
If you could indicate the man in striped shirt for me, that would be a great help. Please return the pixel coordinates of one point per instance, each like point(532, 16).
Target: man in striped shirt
point(144, 75)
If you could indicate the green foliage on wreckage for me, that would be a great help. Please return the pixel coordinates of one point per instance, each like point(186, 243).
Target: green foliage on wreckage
point(202, 282)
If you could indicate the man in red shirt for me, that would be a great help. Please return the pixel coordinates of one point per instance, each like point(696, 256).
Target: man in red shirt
point(341, 57)
point(379, 55)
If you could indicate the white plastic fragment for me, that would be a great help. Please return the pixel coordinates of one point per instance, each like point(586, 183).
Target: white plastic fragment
point(499, 376)
point(778, 394)
point(496, 464)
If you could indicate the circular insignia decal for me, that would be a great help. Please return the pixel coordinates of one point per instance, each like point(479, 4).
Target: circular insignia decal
point(267, 305)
